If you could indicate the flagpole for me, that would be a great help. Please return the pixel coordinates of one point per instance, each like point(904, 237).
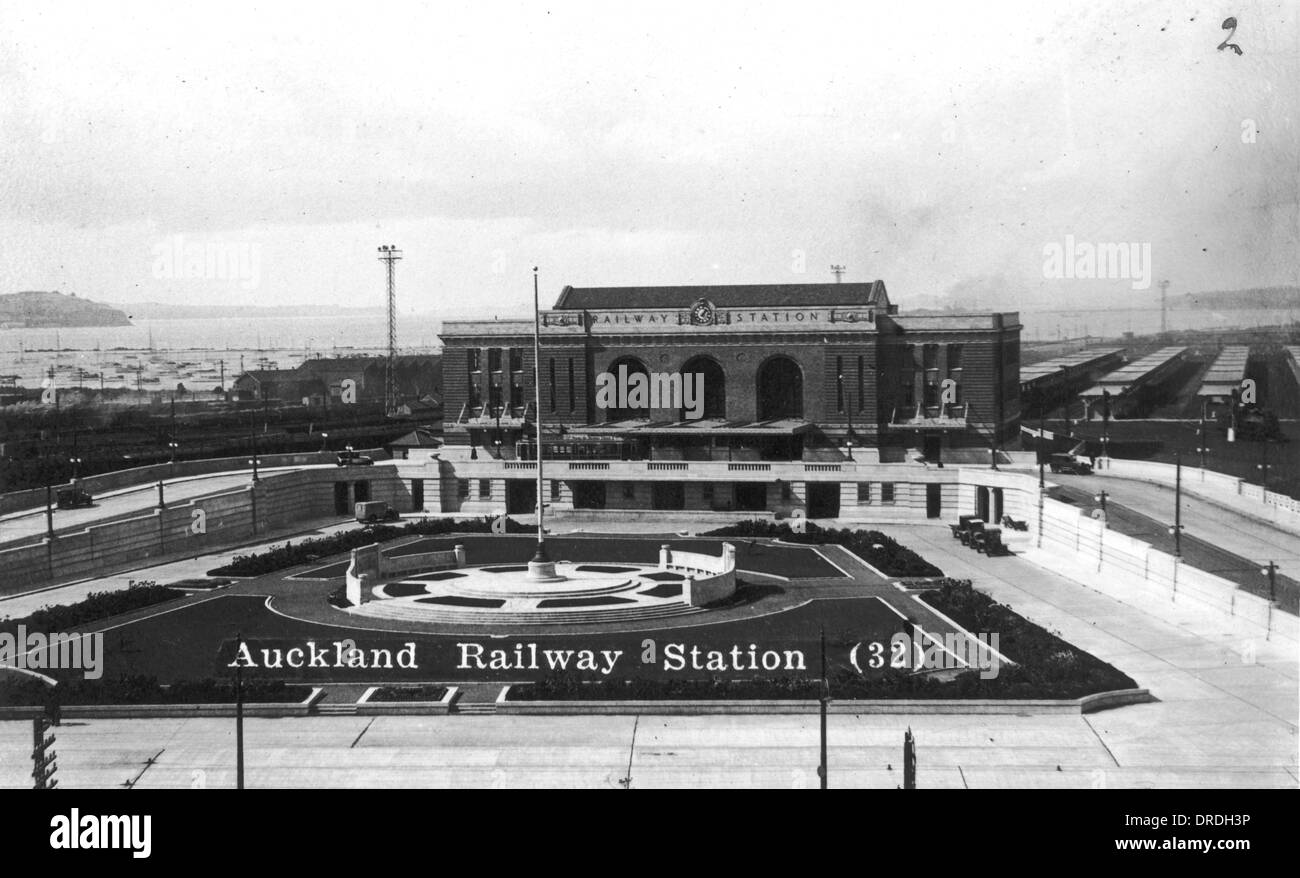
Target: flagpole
point(540, 557)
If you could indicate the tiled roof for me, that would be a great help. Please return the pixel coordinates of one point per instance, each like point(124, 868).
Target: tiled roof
point(738, 296)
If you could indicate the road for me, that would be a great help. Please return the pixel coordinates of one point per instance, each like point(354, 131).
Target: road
point(17, 528)
point(1248, 538)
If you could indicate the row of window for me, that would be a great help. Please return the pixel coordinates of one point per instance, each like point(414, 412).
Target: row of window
point(706, 491)
point(496, 383)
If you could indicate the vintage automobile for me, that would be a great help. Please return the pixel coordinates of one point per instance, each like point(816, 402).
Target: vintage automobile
point(375, 511)
point(352, 458)
point(1069, 463)
point(74, 497)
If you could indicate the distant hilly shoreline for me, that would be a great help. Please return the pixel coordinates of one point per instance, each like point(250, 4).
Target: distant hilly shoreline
point(163, 311)
point(39, 310)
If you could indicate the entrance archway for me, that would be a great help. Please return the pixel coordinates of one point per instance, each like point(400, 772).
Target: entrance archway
point(714, 386)
point(780, 389)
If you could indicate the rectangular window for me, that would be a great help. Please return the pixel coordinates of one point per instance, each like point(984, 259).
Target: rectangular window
point(839, 384)
point(629, 490)
point(572, 391)
point(706, 491)
point(551, 369)
point(786, 490)
point(494, 359)
point(864, 492)
point(907, 376)
point(462, 489)
point(862, 380)
point(516, 359)
point(886, 492)
point(474, 359)
point(485, 489)
point(954, 370)
point(555, 490)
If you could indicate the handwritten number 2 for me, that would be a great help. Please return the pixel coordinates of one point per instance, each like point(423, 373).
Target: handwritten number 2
point(1230, 25)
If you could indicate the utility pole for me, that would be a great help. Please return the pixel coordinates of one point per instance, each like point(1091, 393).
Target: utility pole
point(838, 271)
point(1201, 432)
point(1164, 324)
point(909, 760)
point(1178, 504)
point(541, 561)
point(239, 713)
point(825, 700)
point(390, 255)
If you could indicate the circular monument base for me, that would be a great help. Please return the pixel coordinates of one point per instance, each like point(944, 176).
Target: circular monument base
point(543, 571)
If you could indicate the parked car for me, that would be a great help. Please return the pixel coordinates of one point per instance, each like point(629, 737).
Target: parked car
point(74, 497)
point(1069, 463)
point(375, 511)
point(352, 458)
point(989, 541)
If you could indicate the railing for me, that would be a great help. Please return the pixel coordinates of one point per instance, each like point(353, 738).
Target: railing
point(822, 467)
point(588, 465)
point(521, 464)
point(749, 467)
point(672, 465)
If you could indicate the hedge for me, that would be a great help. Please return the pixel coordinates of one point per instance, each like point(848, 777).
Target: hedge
point(880, 551)
point(96, 607)
point(409, 693)
point(314, 548)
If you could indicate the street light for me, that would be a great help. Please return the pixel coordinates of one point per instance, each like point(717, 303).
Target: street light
point(76, 464)
point(1271, 572)
point(1177, 529)
point(1101, 498)
point(324, 441)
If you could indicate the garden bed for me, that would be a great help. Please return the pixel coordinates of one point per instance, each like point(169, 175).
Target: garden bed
point(882, 552)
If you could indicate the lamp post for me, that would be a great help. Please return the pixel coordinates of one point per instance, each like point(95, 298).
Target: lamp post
point(1271, 572)
point(252, 438)
point(848, 402)
point(76, 465)
point(324, 441)
point(1177, 529)
point(825, 701)
point(1101, 498)
point(1200, 434)
point(239, 712)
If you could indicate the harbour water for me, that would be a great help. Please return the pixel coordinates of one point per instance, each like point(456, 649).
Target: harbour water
point(159, 354)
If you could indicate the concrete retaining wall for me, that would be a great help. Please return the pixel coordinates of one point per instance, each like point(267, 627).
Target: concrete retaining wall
point(1068, 531)
point(279, 502)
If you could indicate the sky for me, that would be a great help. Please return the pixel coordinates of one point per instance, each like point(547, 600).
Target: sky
point(260, 154)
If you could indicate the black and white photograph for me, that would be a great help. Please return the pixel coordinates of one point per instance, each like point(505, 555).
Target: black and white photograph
point(714, 395)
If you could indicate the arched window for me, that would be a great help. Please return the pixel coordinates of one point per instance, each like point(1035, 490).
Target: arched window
point(780, 389)
point(623, 369)
point(712, 383)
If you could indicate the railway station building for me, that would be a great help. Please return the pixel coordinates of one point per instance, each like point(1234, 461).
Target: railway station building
point(815, 399)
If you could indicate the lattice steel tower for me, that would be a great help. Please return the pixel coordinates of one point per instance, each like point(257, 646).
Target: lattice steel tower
point(389, 254)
